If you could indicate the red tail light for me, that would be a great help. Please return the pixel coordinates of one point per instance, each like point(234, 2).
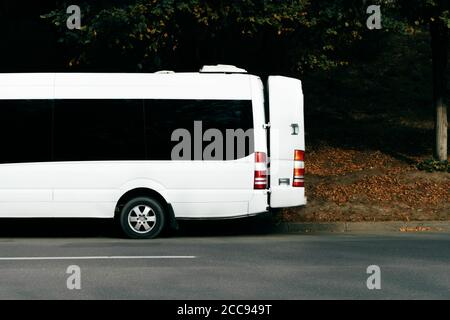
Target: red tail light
point(299, 169)
point(260, 181)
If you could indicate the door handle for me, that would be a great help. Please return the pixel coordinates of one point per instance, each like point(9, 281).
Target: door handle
point(295, 129)
point(284, 181)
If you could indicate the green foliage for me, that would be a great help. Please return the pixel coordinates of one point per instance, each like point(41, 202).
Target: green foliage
point(313, 34)
point(419, 13)
point(147, 32)
point(431, 165)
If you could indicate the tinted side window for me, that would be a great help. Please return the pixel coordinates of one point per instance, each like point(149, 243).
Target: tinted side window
point(99, 130)
point(25, 131)
point(163, 117)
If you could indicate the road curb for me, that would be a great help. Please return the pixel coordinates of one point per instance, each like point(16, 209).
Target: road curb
point(364, 227)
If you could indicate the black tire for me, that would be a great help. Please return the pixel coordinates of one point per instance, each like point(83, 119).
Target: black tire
point(134, 222)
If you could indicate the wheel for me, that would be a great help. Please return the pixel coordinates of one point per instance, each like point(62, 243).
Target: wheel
point(142, 218)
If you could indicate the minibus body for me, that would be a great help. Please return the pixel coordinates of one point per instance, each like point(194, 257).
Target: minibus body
point(148, 149)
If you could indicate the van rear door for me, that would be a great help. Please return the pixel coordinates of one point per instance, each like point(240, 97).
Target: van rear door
point(287, 142)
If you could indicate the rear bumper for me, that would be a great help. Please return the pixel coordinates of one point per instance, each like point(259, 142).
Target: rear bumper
point(289, 197)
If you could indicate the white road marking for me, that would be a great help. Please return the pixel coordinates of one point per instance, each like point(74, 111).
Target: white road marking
point(93, 258)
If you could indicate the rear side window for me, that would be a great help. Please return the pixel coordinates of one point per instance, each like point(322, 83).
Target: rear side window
point(25, 131)
point(196, 117)
point(98, 130)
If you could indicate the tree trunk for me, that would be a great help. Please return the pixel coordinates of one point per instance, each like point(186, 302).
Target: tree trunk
point(439, 45)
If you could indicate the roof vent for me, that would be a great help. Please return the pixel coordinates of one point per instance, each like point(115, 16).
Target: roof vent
point(222, 68)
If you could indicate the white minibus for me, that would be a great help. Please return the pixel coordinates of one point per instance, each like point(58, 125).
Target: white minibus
point(148, 149)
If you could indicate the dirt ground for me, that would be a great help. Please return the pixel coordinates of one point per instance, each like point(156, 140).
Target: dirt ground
point(354, 185)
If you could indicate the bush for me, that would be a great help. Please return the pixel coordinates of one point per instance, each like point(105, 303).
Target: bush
point(431, 165)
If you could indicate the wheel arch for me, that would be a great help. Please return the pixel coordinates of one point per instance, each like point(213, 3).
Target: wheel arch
point(147, 192)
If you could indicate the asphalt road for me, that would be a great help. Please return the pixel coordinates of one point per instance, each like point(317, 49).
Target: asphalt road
point(200, 265)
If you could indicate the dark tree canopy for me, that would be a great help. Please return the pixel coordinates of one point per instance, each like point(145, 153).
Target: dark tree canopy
point(263, 35)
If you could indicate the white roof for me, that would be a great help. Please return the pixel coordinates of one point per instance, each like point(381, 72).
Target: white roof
point(125, 86)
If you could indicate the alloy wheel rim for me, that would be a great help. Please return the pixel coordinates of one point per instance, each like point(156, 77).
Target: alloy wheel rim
point(142, 219)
